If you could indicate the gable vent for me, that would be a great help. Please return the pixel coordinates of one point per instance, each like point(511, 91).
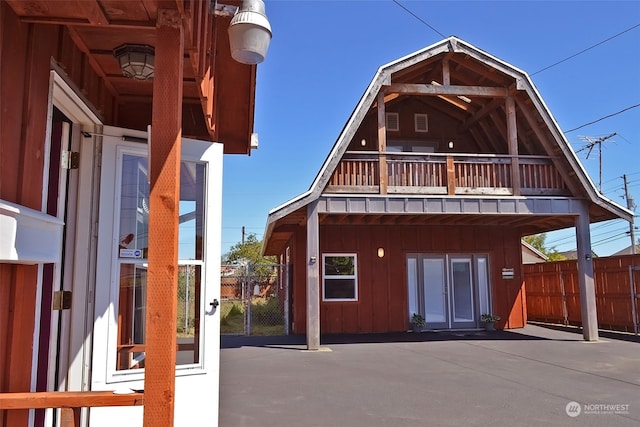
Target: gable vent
point(421, 123)
point(392, 122)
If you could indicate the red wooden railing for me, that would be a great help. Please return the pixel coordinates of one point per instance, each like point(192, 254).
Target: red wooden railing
point(428, 174)
point(71, 402)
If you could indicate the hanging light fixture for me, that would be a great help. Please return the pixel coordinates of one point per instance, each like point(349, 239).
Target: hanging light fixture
point(136, 61)
point(250, 33)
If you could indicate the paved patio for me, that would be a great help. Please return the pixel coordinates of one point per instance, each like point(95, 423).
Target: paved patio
point(526, 377)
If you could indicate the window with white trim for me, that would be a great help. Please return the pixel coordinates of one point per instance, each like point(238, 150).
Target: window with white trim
point(340, 277)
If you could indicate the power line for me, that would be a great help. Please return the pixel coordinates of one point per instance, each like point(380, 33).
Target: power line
point(550, 66)
point(584, 50)
point(421, 20)
point(602, 118)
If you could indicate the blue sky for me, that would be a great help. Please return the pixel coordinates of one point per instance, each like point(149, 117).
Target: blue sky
point(324, 54)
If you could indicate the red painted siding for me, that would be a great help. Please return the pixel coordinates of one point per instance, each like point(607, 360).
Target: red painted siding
point(27, 50)
point(382, 282)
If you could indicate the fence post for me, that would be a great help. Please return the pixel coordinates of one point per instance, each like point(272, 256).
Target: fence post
point(249, 294)
point(632, 285)
point(565, 312)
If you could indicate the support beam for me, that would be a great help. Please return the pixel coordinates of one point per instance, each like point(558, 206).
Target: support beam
point(382, 144)
point(512, 139)
point(451, 177)
point(313, 277)
point(454, 90)
point(164, 163)
point(585, 276)
point(446, 75)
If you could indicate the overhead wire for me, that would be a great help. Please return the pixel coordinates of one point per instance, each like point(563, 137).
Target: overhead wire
point(603, 118)
point(420, 19)
point(585, 50)
point(549, 66)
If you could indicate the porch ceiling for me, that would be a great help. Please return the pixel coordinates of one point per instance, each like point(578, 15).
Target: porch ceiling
point(97, 27)
point(528, 216)
point(527, 224)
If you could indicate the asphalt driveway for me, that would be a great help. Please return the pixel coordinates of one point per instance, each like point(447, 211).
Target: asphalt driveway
point(536, 376)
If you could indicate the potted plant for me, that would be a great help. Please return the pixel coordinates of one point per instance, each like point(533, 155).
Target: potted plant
point(417, 322)
point(489, 319)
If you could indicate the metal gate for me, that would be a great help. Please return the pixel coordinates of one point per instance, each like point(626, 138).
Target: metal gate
point(255, 299)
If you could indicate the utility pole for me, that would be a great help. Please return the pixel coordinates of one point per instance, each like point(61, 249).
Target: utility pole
point(631, 205)
point(592, 143)
point(243, 235)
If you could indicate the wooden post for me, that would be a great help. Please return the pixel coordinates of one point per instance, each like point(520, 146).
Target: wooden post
point(585, 276)
point(446, 75)
point(512, 136)
point(164, 162)
point(382, 144)
point(451, 177)
point(313, 277)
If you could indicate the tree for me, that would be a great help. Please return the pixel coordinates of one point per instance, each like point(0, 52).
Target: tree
point(538, 241)
point(250, 252)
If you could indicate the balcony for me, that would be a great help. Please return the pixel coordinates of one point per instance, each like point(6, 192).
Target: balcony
point(446, 174)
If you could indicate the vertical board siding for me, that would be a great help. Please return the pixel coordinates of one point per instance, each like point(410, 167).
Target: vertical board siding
point(382, 282)
point(547, 302)
point(26, 52)
point(24, 83)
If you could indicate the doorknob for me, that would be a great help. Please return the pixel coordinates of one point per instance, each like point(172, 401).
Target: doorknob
point(215, 303)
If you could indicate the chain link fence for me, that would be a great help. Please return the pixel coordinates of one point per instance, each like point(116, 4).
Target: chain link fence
point(254, 299)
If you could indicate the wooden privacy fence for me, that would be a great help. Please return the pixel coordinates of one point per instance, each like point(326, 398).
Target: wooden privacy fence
point(553, 292)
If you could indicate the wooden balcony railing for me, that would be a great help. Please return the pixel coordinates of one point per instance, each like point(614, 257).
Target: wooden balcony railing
point(358, 174)
point(441, 173)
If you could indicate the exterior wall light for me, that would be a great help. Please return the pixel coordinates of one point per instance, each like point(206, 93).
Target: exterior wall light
point(380, 252)
point(136, 61)
point(450, 145)
point(249, 30)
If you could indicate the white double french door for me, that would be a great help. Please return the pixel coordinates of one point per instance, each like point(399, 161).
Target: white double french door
point(449, 291)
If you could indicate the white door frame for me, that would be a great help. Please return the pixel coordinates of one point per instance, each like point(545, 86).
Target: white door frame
point(417, 288)
point(75, 325)
point(197, 384)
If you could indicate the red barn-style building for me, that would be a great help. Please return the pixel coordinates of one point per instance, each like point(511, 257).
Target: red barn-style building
point(448, 159)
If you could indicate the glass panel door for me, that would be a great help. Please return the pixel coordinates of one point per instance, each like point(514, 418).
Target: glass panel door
point(462, 306)
point(132, 254)
point(412, 291)
point(435, 292)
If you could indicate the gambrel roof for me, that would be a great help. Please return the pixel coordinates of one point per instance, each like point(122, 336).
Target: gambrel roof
point(473, 95)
